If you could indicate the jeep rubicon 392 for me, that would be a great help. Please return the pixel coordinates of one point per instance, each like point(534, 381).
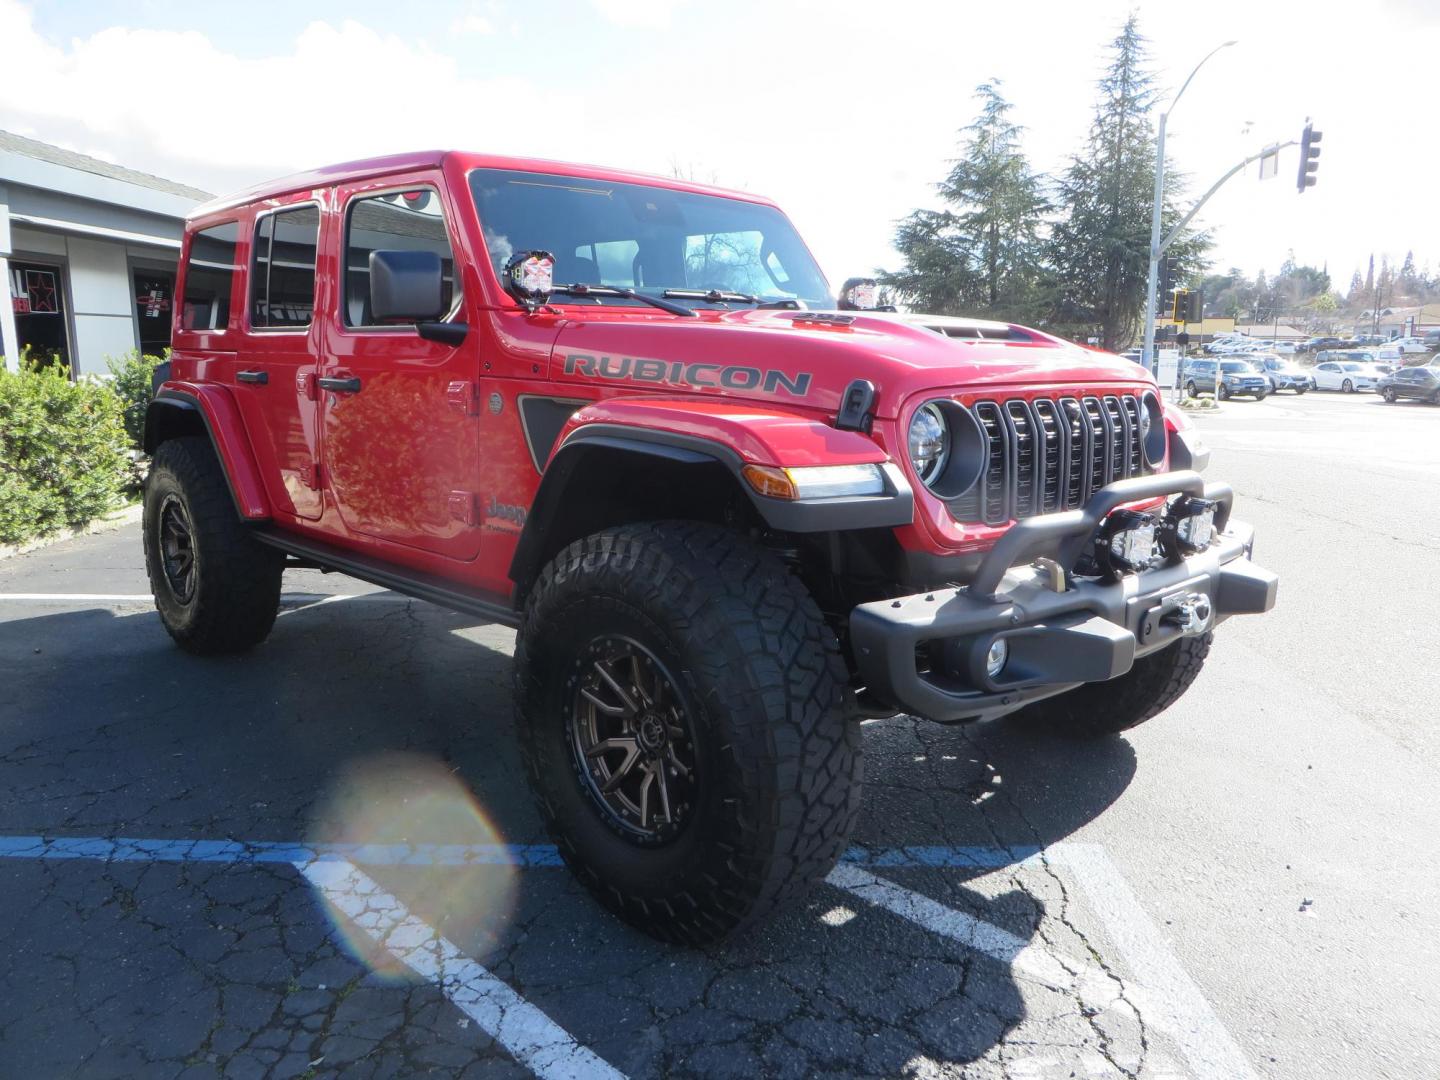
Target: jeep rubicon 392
point(727, 516)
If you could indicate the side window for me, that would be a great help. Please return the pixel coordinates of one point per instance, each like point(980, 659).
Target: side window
point(282, 271)
point(395, 221)
point(209, 277)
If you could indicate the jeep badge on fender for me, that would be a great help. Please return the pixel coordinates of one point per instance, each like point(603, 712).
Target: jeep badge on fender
point(726, 520)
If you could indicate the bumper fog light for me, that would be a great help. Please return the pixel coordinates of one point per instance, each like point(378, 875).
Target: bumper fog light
point(1192, 521)
point(997, 657)
point(1127, 543)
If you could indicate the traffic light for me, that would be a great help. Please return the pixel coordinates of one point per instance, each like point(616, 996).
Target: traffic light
point(1178, 307)
point(1193, 308)
point(1309, 158)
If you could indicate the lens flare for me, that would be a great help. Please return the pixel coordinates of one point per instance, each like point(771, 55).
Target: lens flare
point(414, 827)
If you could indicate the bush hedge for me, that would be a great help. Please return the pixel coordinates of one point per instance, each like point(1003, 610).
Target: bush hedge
point(63, 459)
point(130, 379)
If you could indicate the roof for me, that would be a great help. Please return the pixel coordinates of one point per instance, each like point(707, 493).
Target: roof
point(346, 172)
point(55, 155)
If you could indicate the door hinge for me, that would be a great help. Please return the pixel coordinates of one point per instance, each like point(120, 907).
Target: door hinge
point(464, 396)
point(464, 506)
point(310, 475)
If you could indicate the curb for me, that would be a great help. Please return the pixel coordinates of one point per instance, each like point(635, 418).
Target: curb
point(117, 519)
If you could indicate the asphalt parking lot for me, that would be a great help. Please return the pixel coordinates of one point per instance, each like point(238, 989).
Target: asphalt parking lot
point(320, 860)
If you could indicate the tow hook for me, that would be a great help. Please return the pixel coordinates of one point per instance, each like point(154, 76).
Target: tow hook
point(1190, 615)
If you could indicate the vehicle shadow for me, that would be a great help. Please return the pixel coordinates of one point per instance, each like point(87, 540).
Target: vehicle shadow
point(106, 729)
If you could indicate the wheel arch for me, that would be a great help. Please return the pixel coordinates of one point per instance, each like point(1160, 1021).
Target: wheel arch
point(604, 475)
point(188, 410)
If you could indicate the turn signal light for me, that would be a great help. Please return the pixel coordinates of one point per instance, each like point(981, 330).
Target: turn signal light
point(771, 481)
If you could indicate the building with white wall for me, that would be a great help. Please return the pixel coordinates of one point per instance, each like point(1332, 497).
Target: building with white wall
point(88, 253)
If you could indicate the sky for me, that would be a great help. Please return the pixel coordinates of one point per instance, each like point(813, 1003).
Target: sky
point(846, 113)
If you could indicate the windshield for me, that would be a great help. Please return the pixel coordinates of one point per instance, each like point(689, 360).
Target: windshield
point(1237, 367)
point(643, 237)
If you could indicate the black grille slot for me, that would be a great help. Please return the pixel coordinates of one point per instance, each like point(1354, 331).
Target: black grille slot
point(1046, 455)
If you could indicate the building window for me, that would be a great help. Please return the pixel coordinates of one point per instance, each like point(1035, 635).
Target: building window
point(154, 304)
point(283, 270)
point(210, 277)
point(38, 302)
point(398, 221)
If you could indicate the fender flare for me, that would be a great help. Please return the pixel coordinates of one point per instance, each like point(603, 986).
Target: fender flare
point(894, 508)
point(220, 418)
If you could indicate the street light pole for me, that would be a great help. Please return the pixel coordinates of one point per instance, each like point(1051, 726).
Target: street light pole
point(1148, 355)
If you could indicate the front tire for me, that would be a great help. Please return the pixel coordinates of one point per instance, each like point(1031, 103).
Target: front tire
point(1150, 687)
point(1222, 392)
point(217, 589)
point(1390, 395)
point(1347, 387)
point(688, 652)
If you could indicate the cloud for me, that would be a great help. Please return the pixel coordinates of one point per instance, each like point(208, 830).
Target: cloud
point(638, 14)
point(473, 24)
point(220, 120)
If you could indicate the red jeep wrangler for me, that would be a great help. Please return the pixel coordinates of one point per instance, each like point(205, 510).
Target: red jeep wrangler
point(624, 415)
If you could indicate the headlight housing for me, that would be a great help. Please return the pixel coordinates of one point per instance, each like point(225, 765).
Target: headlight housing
point(815, 481)
point(929, 442)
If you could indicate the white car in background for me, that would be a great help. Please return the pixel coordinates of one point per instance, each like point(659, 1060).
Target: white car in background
point(1346, 376)
point(1409, 344)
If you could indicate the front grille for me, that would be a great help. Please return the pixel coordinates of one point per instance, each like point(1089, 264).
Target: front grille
point(1051, 454)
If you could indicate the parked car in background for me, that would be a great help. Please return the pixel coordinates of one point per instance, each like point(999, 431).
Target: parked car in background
point(1411, 345)
point(1284, 348)
point(1340, 356)
point(1285, 374)
point(1226, 378)
point(1421, 382)
point(1315, 344)
point(1346, 376)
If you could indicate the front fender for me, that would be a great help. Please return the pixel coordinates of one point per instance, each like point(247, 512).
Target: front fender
point(755, 435)
point(654, 434)
point(220, 418)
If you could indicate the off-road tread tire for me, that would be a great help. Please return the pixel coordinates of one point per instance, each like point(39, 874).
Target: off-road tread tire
point(757, 655)
point(1151, 686)
point(237, 592)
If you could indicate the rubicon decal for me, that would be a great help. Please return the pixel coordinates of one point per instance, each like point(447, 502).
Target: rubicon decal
point(679, 373)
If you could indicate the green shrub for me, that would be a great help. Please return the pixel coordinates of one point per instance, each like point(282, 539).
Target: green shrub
point(131, 383)
point(63, 460)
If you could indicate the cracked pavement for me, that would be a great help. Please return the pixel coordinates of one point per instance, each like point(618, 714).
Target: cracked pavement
point(1281, 777)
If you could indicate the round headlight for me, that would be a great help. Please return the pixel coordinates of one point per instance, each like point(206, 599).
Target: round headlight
point(929, 442)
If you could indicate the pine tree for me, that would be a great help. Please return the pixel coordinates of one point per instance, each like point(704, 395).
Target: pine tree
point(1100, 247)
point(1356, 290)
point(981, 255)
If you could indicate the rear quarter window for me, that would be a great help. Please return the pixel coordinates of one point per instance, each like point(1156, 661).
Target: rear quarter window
point(210, 277)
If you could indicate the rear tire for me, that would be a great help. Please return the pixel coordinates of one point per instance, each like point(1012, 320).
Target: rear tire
point(217, 589)
point(769, 775)
point(1106, 708)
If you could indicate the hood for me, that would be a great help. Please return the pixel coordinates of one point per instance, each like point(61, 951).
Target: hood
point(805, 359)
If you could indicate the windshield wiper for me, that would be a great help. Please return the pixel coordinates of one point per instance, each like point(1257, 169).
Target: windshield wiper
point(714, 296)
point(719, 296)
point(582, 289)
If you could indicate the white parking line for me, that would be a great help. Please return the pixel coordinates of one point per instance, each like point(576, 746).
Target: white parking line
point(1159, 989)
point(85, 597)
point(1172, 1001)
point(530, 1036)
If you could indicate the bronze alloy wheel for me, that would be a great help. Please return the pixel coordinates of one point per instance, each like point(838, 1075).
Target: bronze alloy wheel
point(632, 742)
point(177, 548)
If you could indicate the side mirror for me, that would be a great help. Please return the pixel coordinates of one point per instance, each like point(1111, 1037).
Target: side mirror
point(406, 285)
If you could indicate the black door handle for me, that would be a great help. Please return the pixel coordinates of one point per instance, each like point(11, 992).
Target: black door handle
point(260, 377)
point(350, 385)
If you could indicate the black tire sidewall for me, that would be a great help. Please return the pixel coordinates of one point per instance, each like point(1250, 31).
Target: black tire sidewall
point(162, 484)
point(630, 865)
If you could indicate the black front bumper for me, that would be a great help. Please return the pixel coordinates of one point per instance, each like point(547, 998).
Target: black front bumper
point(1059, 634)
